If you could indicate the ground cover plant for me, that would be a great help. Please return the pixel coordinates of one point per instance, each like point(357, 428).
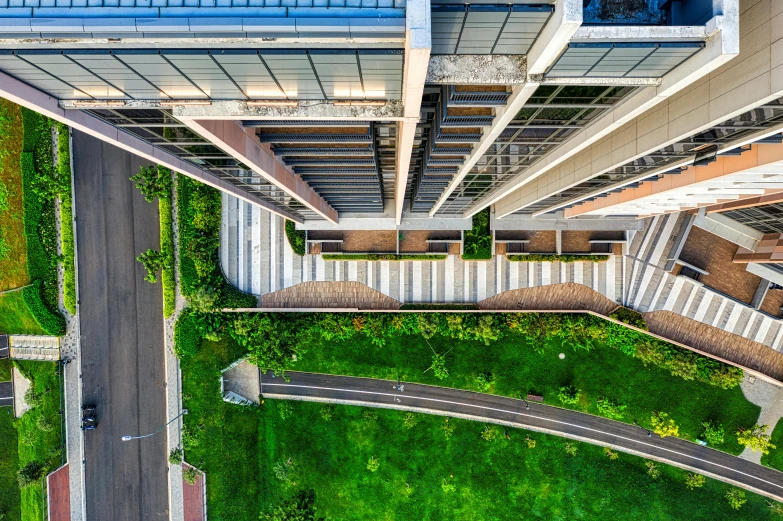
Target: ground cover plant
point(478, 240)
point(13, 245)
point(198, 221)
point(510, 354)
point(10, 497)
point(39, 432)
point(379, 464)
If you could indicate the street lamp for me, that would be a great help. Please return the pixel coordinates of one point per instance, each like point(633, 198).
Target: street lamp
point(527, 405)
point(128, 438)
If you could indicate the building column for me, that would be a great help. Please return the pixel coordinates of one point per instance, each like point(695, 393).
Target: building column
point(554, 37)
point(241, 143)
point(418, 43)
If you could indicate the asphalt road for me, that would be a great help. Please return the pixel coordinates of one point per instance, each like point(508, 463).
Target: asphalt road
point(563, 422)
point(6, 394)
point(122, 346)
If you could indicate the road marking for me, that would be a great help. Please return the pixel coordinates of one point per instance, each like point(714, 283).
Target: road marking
point(522, 414)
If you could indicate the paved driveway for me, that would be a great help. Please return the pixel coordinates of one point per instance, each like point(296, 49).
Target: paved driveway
point(121, 336)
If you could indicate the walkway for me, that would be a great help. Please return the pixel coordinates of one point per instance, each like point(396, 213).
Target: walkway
point(59, 494)
point(542, 418)
point(121, 327)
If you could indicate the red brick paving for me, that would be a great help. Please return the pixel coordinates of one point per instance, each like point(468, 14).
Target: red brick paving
point(59, 495)
point(193, 499)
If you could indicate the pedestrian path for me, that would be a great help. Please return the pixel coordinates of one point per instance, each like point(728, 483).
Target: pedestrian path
point(257, 258)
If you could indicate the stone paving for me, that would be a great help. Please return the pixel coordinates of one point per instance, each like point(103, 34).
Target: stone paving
point(770, 398)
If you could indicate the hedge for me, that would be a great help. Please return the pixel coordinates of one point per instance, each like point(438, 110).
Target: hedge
point(198, 221)
point(52, 323)
point(187, 336)
point(478, 240)
point(559, 258)
point(167, 276)
point(66, 218)
point(296, 238)
point(440, 307)
point(382, 257)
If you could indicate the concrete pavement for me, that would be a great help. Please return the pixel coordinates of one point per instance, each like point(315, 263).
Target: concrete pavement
point(515, 413)
point(121, 327)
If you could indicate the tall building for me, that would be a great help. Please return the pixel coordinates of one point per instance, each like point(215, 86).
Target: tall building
point(413, 114)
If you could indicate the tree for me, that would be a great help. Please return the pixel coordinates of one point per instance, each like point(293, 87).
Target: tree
point(153, 261)
point(300, 507)
point(327, 412)
point(285, 471)
point(568, 395)
point(571, 449)
point(693, 480)
point(484, 381)
point(31, 473)
point(612, 455)
point(439, 366)
point(176, 455)
point(610, 408)
point(531, 443)
point(447, 428)
point(664, 426)
point(756, 438)
point(204, 298)
point(736, 498)
point(373, 464)
point(153, 182)
point(447, 486)
point(775, 507)
point(652, 469)
point(714, 434)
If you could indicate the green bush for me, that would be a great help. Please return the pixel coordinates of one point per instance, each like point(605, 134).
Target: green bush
point(187, 335)
point(52, 323)
point(478, 240)
point(167, 250)
point(198, 221)
point(381, 257)
point(560, 258)
point(630, 317)
point(67, 240)
point(296, 238)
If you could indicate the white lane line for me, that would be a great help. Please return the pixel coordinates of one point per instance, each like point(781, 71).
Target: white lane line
point(396, 395)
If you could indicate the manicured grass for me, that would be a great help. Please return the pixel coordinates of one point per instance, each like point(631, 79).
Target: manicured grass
point(775, 457)
point(5, 370)
point(15, 318)
point(238, 447)
point(13, 264)
point(517, 368)
point(39, 431)
point(10, 498)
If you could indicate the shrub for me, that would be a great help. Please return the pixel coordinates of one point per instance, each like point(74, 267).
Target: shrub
point(296, 238)
point(67, 239)
point(756, 438)
point(610, 408)
point(190, 475)
point(531, 443)
point(664, 426)
point(447, 428)
point(52, 323)
point(373, 464)
point(714, 434)
point(736, 498)
point(478, 240)
point(609, 453)
point(560, 258)
point(327, 412)
point(31, 474)
point(571, 449)
point(381, 257)
point(187, 337)
point(153, 182)
point(694, 481)
point(630, 317)
point(568, 395)
point(439, 367)
point(489, 433)
point(652, 469)
point(176, 455)
point(167, 275)
point(447, 486)
point(484, 381)
point(285, 410)
point(410, 420)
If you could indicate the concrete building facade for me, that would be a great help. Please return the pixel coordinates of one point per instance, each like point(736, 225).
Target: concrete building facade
point(403, 114)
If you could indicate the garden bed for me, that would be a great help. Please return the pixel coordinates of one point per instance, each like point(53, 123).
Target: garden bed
point(478, 240)
point(381, 257)
point(256, 457)
point(559, 258)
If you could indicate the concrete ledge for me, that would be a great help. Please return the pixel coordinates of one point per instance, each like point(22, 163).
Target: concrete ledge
point(470, 69)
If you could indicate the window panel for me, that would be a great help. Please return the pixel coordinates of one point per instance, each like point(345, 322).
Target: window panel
point(162, 74)
point(205, 73)
point(250, 74)
point(37, 78)
point(295, 75)
point(114, 71)
point(64, 69)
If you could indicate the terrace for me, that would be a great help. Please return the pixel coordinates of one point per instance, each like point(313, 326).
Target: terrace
point(409, 242)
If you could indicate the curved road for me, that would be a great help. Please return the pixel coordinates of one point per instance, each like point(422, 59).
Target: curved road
point(539, 417)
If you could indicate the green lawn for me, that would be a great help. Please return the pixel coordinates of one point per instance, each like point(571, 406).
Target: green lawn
point(39, 431)
point(517, 368)
point(240, 447)
point(775, 457)
point(9, 463)
point(15, 317)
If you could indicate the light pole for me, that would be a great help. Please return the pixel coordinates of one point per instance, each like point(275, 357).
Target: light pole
point(128, 438)
point(649, 432)
point(527, 405)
